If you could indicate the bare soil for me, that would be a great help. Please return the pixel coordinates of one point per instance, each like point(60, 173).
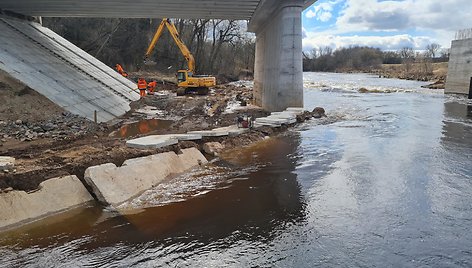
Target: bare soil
point(21, 102)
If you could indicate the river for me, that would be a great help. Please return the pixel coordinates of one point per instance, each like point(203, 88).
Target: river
point(384, 181)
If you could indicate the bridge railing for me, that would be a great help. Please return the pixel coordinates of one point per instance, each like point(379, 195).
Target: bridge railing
point(463, 34)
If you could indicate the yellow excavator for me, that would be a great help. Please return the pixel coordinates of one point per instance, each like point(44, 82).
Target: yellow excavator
point(187, 80)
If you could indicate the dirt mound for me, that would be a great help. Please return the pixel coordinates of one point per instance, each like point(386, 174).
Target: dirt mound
point(20, 102)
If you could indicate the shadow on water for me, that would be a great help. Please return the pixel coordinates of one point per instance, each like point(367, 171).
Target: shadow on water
point(254, 208)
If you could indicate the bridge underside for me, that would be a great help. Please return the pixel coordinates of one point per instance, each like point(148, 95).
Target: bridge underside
point(191, 9)
point(277, 24)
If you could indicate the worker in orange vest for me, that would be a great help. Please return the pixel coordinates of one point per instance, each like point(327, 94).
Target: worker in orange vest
point(120, 70)
point(151, 87)
point(142, 85)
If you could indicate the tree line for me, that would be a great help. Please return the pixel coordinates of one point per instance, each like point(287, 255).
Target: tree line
point(219, 46)
point(362, 58)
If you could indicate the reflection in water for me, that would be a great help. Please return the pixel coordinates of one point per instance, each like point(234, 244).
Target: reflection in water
point(457, 123)
point(141, 127)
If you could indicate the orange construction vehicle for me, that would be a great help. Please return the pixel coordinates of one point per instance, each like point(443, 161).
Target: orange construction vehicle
point(120, 70)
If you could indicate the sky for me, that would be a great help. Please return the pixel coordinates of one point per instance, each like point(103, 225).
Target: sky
point(388, 25)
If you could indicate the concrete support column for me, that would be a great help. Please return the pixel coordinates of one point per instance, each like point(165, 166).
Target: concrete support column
point(278, 72)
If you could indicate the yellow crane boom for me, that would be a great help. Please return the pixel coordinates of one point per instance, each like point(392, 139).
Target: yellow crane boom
point(187, 80)
point(175, 35)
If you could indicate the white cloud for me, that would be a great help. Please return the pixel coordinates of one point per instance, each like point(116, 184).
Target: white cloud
point(310, 14)
point(322, 11)
point(437, 18)
point(324, 16)
point(374, 15)
point(394, 42)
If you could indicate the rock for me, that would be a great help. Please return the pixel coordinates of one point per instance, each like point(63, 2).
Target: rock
point(213, 148)
point(18, 122)
point(363, 90)
point(37, 129)
point(49, 126)
point(6, 163)
point(318, 112)
point(8, 189)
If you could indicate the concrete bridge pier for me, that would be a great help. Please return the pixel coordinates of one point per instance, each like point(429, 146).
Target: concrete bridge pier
point(278, 72)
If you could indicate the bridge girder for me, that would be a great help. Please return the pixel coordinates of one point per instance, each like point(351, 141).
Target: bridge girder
point(185, 9)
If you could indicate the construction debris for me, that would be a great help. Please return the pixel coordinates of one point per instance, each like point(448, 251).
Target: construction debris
point(7, 163)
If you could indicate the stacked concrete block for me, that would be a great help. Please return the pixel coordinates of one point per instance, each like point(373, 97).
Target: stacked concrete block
point(114, 185)
point(53, 196)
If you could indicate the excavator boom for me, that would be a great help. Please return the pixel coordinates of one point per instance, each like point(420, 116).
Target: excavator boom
point(175, 35)
point(187, 80)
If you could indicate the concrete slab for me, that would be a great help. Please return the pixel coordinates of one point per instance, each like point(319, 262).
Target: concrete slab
point(149, 142)
point(295, 109)
point(210, 133)
point(114, 185)
point(54, 196)
point(272, 120)
point(185, 137)
point(232, 130)
point(256, 125)
point(62, 72)
point(7, 163)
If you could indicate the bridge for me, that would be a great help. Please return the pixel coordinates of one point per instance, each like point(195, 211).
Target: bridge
point(278, 81)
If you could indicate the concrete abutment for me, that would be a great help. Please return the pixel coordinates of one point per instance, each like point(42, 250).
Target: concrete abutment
point(278, 74)
point(459, 71)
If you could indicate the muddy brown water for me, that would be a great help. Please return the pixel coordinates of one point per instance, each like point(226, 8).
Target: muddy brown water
point(384, 181)
point(141, 127)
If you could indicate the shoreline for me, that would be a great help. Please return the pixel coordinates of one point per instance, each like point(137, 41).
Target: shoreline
point(436, 74)
point(67, 149)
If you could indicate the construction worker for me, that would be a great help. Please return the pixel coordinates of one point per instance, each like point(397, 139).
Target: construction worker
point(151, 87)
point(120, 70)
point(142, 85)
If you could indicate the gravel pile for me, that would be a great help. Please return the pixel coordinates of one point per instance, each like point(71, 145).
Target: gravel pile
point(60, 127)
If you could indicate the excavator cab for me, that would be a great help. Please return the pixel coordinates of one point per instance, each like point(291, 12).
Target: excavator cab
point(181, 76)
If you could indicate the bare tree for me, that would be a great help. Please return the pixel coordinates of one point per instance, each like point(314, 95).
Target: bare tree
point(325, 51)
point(222, 32)
point(433, 49)
point(406, 53)
point(408, 57)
